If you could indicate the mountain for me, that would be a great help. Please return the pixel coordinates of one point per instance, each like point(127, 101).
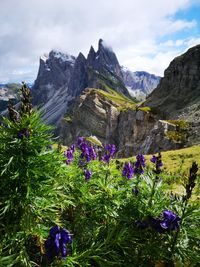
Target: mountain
point(178, 93)
point(114, 118)
point(168, 119)
point(61, 78)
point(9, 91)
point(139, 83)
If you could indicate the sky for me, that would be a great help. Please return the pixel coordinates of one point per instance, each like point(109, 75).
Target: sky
point(145, 35)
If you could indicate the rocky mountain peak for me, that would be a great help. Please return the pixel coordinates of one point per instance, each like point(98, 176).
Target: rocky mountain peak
point(62, 57)
point(106, 59)
point(91, 56)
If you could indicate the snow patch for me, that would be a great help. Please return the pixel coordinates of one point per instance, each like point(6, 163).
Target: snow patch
point(44, 57)
point(63, 56)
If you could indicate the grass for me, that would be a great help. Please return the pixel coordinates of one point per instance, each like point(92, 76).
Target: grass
point(118, 98)
point(174, 160)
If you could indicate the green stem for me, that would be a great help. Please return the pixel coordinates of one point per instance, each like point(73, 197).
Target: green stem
point(152, 191)
point(177, 232)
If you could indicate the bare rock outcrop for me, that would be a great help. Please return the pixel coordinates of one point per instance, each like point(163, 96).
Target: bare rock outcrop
point(133, 131)
point(179, 89)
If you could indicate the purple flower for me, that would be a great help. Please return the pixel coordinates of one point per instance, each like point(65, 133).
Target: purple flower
point(88, 174)
point(72, 147)
point(153, 159)
point(167, 221)
point(106, 158)
point(80, 141)
point(170, 220)
point(70, 155)
point(158, 163)
point(55, 245)
point(111, 150)
point(92, 153)
point(87, 152)
point(110, 153)
point(23, 133)
point(139, 164)
point(128, 170)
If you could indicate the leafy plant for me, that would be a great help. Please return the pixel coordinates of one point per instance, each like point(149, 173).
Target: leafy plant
point(31, 198)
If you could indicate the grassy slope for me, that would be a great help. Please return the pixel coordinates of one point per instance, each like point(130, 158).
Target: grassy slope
point(118, 98)
point(181, 159)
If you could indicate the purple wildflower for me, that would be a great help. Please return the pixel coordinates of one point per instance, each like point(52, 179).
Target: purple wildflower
point(69, 154)
point(111, 150)
point(55, 245)
point(80, 141)
point(23, 133)
point(139, 164)
point(88, 174)
point(92, 153)
point(72, 147)
point(110, 153)
point(128, 170)
point(87, 152)
point(157, 160)
point(170, 220)
point(167, 221)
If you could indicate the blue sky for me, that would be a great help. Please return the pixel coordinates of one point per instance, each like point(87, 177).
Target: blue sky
point(145, 35)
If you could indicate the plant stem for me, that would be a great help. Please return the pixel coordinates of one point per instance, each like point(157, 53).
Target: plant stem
point(152, 191)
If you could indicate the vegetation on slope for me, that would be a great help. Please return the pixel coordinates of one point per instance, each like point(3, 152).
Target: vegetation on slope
point(120, 99)
point(85, 208)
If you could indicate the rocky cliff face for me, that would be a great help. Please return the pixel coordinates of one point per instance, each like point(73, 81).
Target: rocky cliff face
point(134, 131)
point(178, 93)
point(55, 71)
point(61, 78)
point(140, 83)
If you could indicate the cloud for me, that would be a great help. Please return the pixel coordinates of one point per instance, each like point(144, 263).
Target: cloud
point(131, 28)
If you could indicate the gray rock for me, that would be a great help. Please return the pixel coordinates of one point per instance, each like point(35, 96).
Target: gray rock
point(179, 89)
point(139, 83)
point(61, 78)
point(132, 131)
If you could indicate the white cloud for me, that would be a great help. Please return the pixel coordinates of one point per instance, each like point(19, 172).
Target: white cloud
point(130, 27)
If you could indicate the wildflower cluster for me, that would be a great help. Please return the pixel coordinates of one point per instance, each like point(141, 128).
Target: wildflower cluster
point(138, 168)
point(24, 133)
point(167, 221)
point(87, 174)
point(157, 160)
point(87, 152)
point(69, 153)
point(56, 244)
point(128, 170)
point(139, 164)
point(110, 153)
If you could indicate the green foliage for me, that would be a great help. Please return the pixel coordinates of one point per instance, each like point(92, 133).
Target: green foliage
point(104, 214)
point(176, 136)
point(31, 198)
point(182, 124)
point(122, 102)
